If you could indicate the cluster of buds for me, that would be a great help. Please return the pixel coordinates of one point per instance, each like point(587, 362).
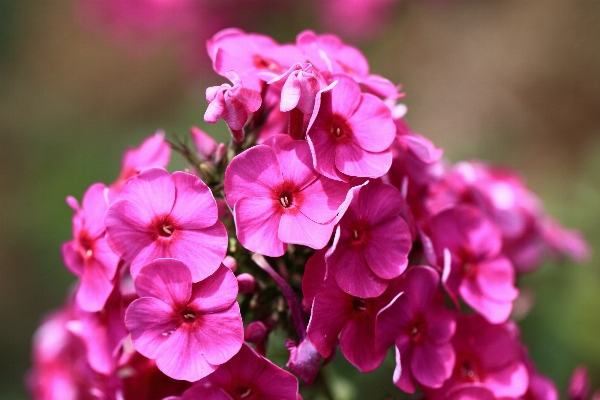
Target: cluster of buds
point(325, 218)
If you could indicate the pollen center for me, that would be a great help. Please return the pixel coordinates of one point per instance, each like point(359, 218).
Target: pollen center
point(188, 316)
point(359, 304)
point(285, 199)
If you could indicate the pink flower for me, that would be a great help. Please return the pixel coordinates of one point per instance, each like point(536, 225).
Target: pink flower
point(478, 271)
point(336, 313)
point(421, 329)
point(488, 362)
point(246, 376)
point(328, 53)
point(189, 329)
point(278, 198)
point(255, 58)
point(153, 152)
point(351, 133)
point(88, 255)
point(159, 215)
point(232, 103)
point(371, 243)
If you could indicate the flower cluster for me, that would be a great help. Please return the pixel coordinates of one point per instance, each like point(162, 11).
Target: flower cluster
point(373, 240)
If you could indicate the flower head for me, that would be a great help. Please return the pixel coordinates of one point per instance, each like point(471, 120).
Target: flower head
point(188, 328)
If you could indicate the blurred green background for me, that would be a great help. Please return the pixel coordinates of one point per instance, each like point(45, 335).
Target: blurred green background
point(516, 83)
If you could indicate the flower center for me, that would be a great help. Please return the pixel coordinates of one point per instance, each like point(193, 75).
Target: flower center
point(416, 330)
point(467, 369)
point(188, 315)
point(164, 227)
point(359, 234)
point(285, 199)
point(469, 270)
point(339, 128)
point(86, 245)
point(243, 392)
point(359, 304)
point(261, 62)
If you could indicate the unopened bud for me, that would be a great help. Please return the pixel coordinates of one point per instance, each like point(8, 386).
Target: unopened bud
point(246, 282)
point(230, 263)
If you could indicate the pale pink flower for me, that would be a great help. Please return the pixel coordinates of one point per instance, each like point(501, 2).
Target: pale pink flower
point(299, 87)
point(255, 58)
point(421, 329)
point(188, 328)
point(328, 53)
point(232, 103)
point(278, 197)
point(350, 133)
point(246, 376)
point(159, 215)
point(371, 243)
point(88, 255)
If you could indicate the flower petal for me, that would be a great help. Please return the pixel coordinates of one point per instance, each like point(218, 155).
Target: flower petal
point(215, 293)
point(220, 335)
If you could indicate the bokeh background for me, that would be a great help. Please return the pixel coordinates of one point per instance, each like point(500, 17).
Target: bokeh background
point(515, 83)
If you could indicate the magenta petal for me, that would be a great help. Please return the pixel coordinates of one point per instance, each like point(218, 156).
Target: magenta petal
point(508, 382)
point(352, 160)
point(392, 239)
point(313, 280)
point(379, 202)
point(252, 173)
point(392, 321)
point(402, 376)
point(494, 311)
point(471, 392)
point(204, 390)
point(496, 278)
point(106, 257)
point(95, 287)
point(150, 322)
point(94, 205)
point(298, 229)
point(195, 206)
point(166, 279)
point(354, 276)
point(257, 226)
point(294, 158)
point(215, 293)
point(180, 357)
point(201, 250)
point(331, 310)
point(358, 344)
point(323, 150)
point(322, 199)
point(372, 124)
point(71, 257)
point(153, 190)
point(220, 335)
point(432, 364)
point(128, 229)
point(346, 96)
point(155, 250)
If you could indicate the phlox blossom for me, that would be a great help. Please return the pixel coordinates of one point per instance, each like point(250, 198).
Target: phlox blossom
point(371, 243)
point(488, 363)
point(336, 313)
point(247, 376)
point(278, 198)
point(421, 329)
point(159, 215)
point(255, 58)
point(350, 133)
point(188, 328)
point(479, 271)
point(88, 255)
